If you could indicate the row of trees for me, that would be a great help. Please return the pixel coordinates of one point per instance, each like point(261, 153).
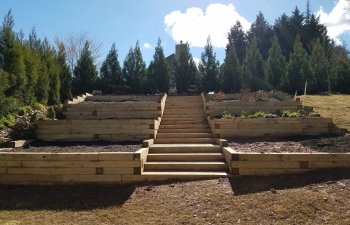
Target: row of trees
point(283, 56)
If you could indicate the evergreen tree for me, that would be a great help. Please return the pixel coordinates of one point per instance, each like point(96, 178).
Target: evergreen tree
point(299, 69)
point(238, 38)
point(320, 67)
point(209, 67)
point(65, 74)
point(134, 71)
point(276, 65)
point(3, 83)
point(185, 70)
point(262, 31)
point(85, 73)
point(285, 36)
point(111, 72)
point(341, 76)
point(13, 62)
point(43, 84)
point(159, 71)
point(231, 72)
point(254, 76)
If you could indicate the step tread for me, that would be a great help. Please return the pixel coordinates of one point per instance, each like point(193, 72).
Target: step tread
point(187, 163)
point(183, 145)
point(185, 173)
point(187, 154)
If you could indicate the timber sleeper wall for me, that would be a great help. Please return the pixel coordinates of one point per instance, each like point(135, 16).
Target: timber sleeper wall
point(115, 167)
point(111, 107)
point(225, 128)
point(88, 130)
point(282, 163)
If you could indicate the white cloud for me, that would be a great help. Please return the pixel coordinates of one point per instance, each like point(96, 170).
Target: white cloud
point(194, 25)
point(337, 20)
point(147, 45)
point(196, 60)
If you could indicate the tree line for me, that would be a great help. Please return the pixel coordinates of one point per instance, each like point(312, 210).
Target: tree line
point(282, 56)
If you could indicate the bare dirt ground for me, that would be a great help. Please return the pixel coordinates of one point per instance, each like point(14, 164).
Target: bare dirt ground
point(78, 146)
point(314, 198)
point(292, 144)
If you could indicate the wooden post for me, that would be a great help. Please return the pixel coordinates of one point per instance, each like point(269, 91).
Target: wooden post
point(305, 87)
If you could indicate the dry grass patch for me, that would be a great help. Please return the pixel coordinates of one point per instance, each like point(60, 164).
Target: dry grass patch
point(335, 106)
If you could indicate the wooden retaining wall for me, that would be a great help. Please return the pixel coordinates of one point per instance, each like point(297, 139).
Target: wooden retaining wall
point(216, 108)
point(110, 107)
point(88, 130)
point(40, 168)
point(282, 163)
point(239, 127)
point(78, 99)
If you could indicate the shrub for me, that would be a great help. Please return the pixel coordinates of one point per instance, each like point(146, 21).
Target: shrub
point(51, 113)
point(38, 106)
point(226, 115)
point(288, 113)
point(259, 114)
point(9, 106)
point(244, 114)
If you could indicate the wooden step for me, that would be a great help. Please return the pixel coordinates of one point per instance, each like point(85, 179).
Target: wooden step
point(183, 140)
point(184, 115)
point(183, 148)
point(188, 130)
point(182, 157)
point(202, 119)
point(184, 135)
point(182, 122)
point(184, 126)
point(174, 105)
point(185, 166)
point(185, 175)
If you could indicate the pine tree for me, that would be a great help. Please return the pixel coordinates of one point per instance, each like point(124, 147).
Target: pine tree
point(134, 70)
point(13, 62)
point(276, 65)
point(209, 67)
point(65, 74)
point(231, 72)
point(263, 33)
point(185, 70)
point(111, 72)
point(3, 83)
point(238, 38)
point(341, 76)
point(43, 84)
point(159, 71)
point(320, 67)
point(299, 70)
point(254, 76)
point(85, 73)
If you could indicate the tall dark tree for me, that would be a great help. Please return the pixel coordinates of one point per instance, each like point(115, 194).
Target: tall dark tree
point(3, 83)
point(65, 74)
point(13, 62)
point(134, 71)
point(111, 72)
point(276, 65)
point(341, 76)
point(85, 73)
point(238, 38)
point(209, 67)
point(299, 70)
point(231, 72)
point(285, 37)
point(320, 67)
point(254, 76)
point(262, 31)
point(185, 70)
point(159, 71)
point(32, 65)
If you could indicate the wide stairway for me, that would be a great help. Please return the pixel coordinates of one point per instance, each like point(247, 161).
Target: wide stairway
point(185, 147)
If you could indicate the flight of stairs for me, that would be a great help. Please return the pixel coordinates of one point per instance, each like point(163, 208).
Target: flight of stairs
point(184, 146)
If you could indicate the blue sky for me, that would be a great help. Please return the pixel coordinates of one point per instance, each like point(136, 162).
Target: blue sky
point(125, 22)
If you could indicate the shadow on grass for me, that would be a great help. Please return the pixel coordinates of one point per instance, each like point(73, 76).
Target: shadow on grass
point(63, 197)
point(253, 184)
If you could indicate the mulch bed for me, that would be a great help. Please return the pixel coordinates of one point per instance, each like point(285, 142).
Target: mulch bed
point(295, 144)
point(93, 146)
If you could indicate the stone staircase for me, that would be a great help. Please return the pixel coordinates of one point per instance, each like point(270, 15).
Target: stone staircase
point(184, 147)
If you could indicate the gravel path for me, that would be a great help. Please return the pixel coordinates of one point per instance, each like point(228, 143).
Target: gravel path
point(96, 146)
point(315, 144)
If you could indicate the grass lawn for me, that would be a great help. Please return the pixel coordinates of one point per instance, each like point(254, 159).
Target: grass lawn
point(335, 106)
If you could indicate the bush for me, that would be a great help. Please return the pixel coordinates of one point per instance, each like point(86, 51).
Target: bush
point(226, 115)
point(288, 113)
point(25, 109)
point(244, 114)
point(51, 113)
point(259, 114)
point(9, 106)
point(38, 106)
